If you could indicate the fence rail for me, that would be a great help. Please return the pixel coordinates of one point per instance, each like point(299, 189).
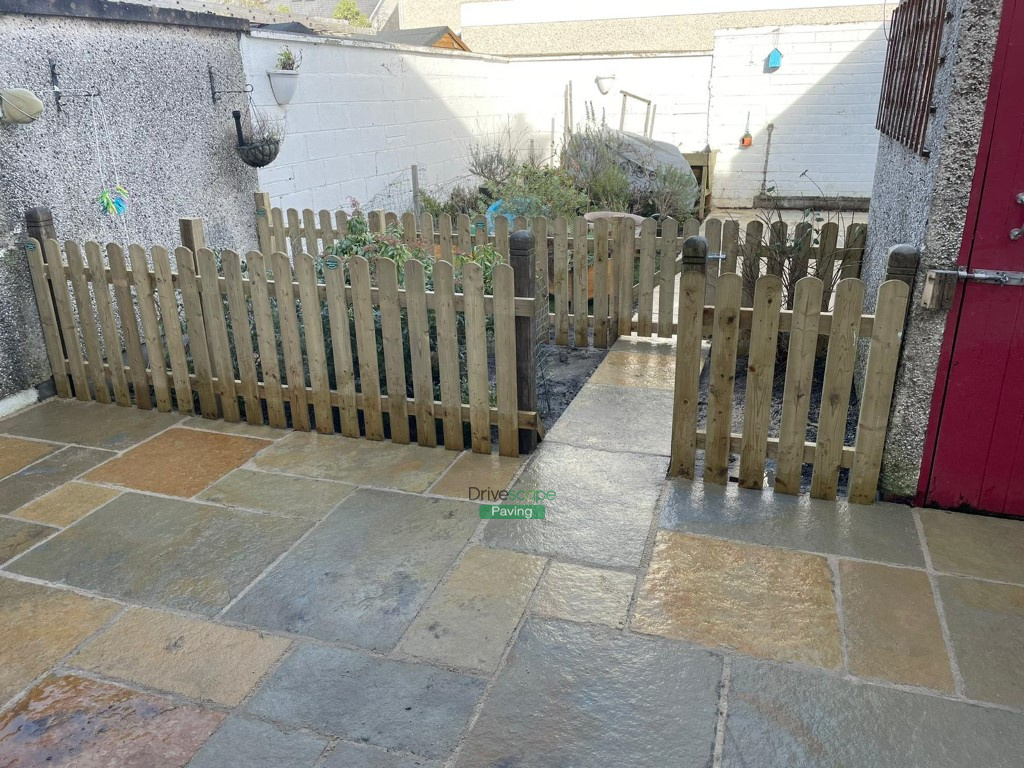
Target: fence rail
point(267, 340)
point(792, 333)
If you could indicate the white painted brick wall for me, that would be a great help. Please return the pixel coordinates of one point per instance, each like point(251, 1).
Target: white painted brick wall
point(822, 102)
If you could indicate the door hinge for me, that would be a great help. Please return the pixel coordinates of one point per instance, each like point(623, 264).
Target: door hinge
point(941, 283)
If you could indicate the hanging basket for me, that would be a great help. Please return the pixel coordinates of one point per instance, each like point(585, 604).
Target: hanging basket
point(260, 153)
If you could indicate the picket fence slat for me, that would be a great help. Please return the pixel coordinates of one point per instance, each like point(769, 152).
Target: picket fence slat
point(241, 336)
point(667, 248)
point(108, 326)
point(645, 301)
point(47, 317)
point(626, 258)
point(217, 334)
point(394, 355)
point(501, 235)
point(87, 323)
point(601, 286)
point(446, 244)
point(448, 355)
point(723, 376)
point(366, 348)
point(580, 282)
point(145, 290)
point(419, 348)
point(764, 336)
point(196, 328)
point(505, 360)
point(66, 320)
point(266, 338)
point(730, 245)
point(688, 369)
point(825, 267)
point(463, 233)
point(313, 326)
point(559, 286)
point(476, 358)
point(167, 298)
point(835, 395)
point(129, 326)
point(341, 347)
point(291, 343)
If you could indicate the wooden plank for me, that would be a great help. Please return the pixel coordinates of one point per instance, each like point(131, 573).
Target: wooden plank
point(505, 360)
point(796, 398)
point(129, 325)
point(327, 233)
point(751, 262)
point(241, 335)
point(448, 355)
point(311, 243)
point(294, 233)
point(501, 235)
point(713, 234)
point(375, 221)
point(669, 245)
point(778, 234)
point(645, 301)
point(723, 376)
point(408, 223)
point(145, 291)
point(687, 378)
point(853, 251)
point(419, 348)
point(171, 318)
point(108, 324)
point(391, 222)
point(757, 398)
point(291, 342)
point(217, 334)
point(341, 221)
point(87, 322)
point(480, 230)
point(825, 266)
point(263, 235)
point(316, 351)
point(625, 255)
point(581, 280)
point(476, 358)
point(366, 348)
point(835, 394)
point(426, 238)
point(601, 286)
point(801, 256)
point(394, 353)
point(446, 244)
point(280, 239)
point(883, 361)
point(341, 347)
point(266, 339)
point(47, 318)
point(730, 245)
point(464, 234)
point(196, 327)
point(560, 281)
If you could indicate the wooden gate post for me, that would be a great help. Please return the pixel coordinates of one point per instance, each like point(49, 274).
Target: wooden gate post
point(39, 226)
point(523, 258)
point(695, 254)
point(902, 265)
point(192, 236)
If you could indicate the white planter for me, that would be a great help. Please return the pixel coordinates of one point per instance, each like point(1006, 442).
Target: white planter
point(283, 83)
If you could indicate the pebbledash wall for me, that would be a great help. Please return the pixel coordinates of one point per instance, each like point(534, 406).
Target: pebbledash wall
point(923, 201)
point(155, 121)
point(364, 113)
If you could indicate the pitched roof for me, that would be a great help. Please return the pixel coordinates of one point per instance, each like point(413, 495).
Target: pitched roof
point(426, 36)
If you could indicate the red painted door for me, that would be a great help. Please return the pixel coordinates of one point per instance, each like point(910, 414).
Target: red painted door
point(976, 457)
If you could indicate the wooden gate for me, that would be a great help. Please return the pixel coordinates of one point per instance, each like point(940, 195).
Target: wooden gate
point(974, 454)
point(793, 334)
point(329, 346)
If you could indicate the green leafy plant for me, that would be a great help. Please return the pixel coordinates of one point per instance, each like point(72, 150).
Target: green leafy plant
point(347, 10)
point(672, 193)
point(539, 191)
point(288, 60)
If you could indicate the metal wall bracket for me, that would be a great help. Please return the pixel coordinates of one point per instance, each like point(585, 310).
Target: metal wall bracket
point(941, 283)
point(216, 95)
point(59, 94)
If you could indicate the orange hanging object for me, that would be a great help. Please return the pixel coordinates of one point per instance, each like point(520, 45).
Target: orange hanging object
point(747, 140)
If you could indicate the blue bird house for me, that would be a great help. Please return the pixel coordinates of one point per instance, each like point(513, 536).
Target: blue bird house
point(774, 60)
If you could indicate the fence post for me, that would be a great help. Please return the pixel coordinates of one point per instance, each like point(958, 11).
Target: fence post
point(39, 226)
point(902, 265)
point(192, 236)
point(695, 254)
point(523, 258)
point(263, 238)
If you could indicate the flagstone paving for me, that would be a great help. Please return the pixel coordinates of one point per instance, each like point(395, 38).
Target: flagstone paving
point(183, 592)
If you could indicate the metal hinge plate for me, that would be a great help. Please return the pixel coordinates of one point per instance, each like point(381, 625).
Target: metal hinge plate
point(940, 284)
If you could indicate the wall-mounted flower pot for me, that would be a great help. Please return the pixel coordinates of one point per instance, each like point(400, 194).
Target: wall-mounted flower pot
point(260, 153)
point(283, 83)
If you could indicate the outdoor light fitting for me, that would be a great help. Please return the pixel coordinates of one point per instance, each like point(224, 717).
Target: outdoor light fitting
point(604, 83)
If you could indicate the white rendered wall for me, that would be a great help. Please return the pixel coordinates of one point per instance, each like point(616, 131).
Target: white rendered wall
point(822, 102)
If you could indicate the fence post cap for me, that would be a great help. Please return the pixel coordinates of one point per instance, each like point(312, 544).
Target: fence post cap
point(39, 214)
point(521, 240)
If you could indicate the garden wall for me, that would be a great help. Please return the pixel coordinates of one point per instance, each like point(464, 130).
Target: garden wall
point(822, 101)
point(157, 126)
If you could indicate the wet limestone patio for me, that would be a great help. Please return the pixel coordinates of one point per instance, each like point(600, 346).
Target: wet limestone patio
point(184, 592)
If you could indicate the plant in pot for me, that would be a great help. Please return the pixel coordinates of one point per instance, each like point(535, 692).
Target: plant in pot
point(285, 78)
point(263, 143)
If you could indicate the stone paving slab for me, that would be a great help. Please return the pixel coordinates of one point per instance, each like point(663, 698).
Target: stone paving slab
point(412, 707)
point(617, 419)
point(469, 620)
point(603, 507)
point(986, 626)
point(593, 697)
point(361, 462)
point(17, 536)
point(163, 552)
point(649, 346)
point(761, 601)
point(361, 577)
point(486, 472)
point(347, 755)
point(39, 626)
point(636, 369)
point(280, 494)
point(179, 462)
point(47, 474)
point(68, 503)
point(92, 424)
point(195, 658)
point(17, 454)
point(785, 717)
point(235, 428)
point(972, 545)
point(81, 723)
point(892, 626)
point(882, 532)
point(245, 743)
point(581, 593)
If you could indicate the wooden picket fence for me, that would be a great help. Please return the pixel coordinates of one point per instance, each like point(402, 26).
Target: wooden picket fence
point(217, 336)
point(638, 299)
point(801, 326)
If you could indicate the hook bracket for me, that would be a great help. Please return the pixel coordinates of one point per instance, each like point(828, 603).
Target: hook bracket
point(218, 95)
point(59, 94)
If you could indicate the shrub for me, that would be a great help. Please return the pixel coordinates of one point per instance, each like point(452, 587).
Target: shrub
point(347, 10)
point(538, 191)
point(671, 193)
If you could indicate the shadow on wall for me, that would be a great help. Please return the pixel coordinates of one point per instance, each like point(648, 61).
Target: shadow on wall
point(821, 105)
point(362, 116)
